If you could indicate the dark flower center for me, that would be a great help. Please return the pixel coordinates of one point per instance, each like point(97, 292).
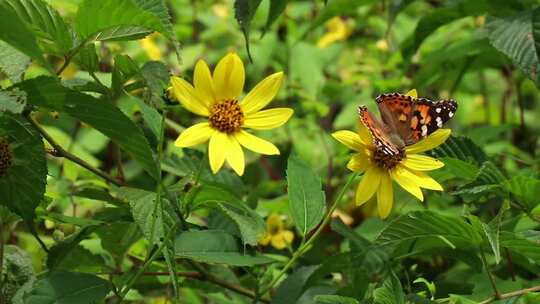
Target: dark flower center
point(387, 161)
point(226, 116)
point(6, 157)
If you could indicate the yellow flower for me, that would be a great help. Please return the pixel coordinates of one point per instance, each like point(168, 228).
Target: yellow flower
point(276, 234)
point(408, 172)
point(150, 47)
point(337, 29)
point(217, 98)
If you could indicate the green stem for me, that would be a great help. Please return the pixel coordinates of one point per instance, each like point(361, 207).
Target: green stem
point(307, 245)
point(61, 152)
point(141, 270)
point(69, 56)
point(490, 275)
point(512, 294)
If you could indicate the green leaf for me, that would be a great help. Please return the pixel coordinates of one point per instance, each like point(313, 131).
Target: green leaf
point(215, 247)
point(390, 292)
point(19, 36)
point(48, 26)
point(150, 116)
point(159, 9)
point(244, 10)
point(249, 224)
point(12, 62)
point(23, 183)
point(526, 189)
point(306, 199)
point(117, 238)
point(81, 259)
point(276, 8)
point(462, 148)
point(102, 115)
point(148, 213)
point(449, 231)
point(12, 101)
point(156, 76)
point(193, 163)
point(62, 250)
point(521, 245)
point(337, 8)
point(492, 231)
point(68, 288)
point(115, 20)
point(333, 299)
point(395, 7)
point(16, 272)
point(490, 174)
point(515, 37)
point(293, 286)
point(439, 17)
point(87, 58)
point(460, 168)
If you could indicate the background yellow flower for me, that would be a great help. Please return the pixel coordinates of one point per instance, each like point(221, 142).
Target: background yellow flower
point(337, 29)
point(276, 234)
point(217, 97)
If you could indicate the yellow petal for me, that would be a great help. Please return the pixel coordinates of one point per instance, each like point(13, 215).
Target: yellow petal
point(262, 93)
point(204, 85)
point(412, 93)
point(278, 242)
point(185, 93)
point(216, 150)
point(421, 162)
point(265, 240)
point(365, 135)
point(350, 139)
point(274, 223)
point(430, 142)
point(288, 236)
point(268, 119)
point(229, 77)
point(426, 181)
point(256, 144)
point(359, 162)
point(368, 185)
point(235, 155)
point(194, 135)
point(385, 196)
point(407, 181)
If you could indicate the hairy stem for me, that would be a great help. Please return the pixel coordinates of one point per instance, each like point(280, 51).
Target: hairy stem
point(490, 275)
point(512, 294)
point(61, 152)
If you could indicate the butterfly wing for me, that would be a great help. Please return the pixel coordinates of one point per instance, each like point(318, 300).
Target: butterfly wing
point(396, 112)
point(379, 133)
point(428, 116)
point(414, 119)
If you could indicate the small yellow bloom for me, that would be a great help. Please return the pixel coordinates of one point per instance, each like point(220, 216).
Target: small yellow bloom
point(221, 10)
point(217, 98)
point(408, 172)
point(150, 47)
point(337, 29)
point(276, 234)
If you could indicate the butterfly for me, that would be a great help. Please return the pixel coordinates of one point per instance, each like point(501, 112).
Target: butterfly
point(405, 121)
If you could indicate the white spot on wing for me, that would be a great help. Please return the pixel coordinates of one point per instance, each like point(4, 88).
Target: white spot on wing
point(450, 114)
point(438, 110)
point(424, 130)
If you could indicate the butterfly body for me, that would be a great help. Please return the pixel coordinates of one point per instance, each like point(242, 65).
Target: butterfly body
point(405, 121)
